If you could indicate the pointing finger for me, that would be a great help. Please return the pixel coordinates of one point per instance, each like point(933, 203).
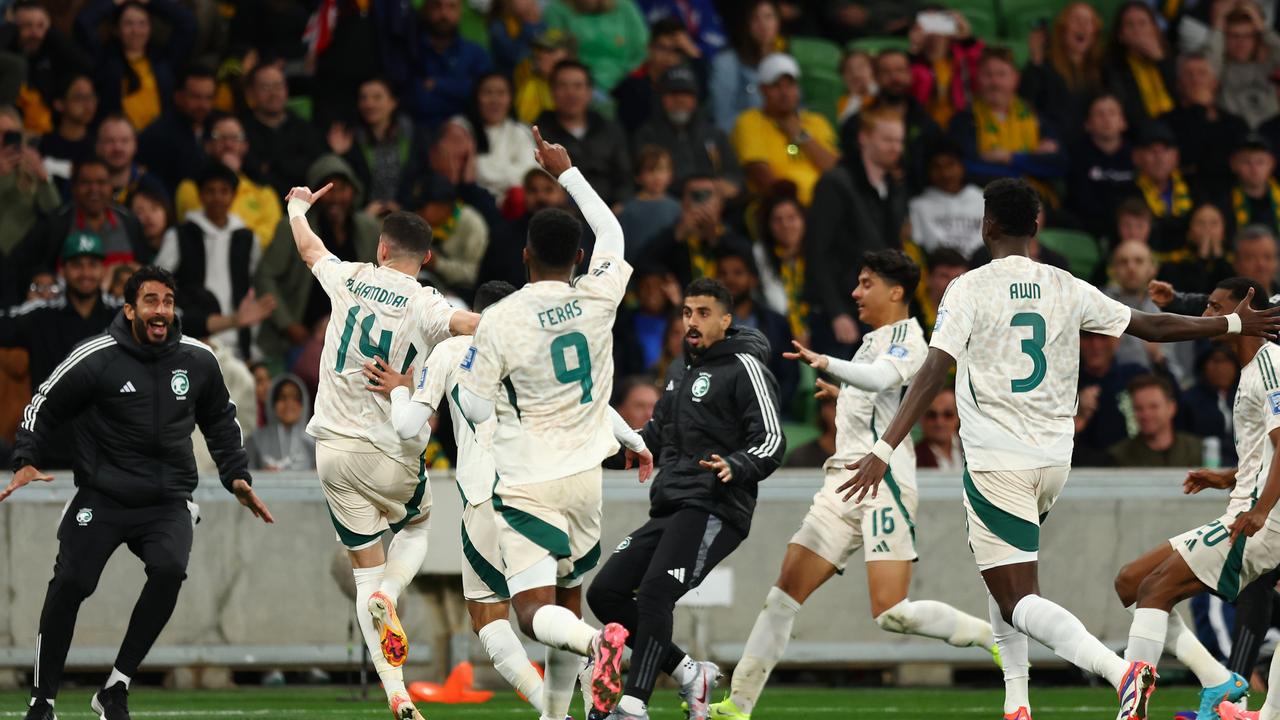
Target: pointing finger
point(321, 192)
point(537, 138)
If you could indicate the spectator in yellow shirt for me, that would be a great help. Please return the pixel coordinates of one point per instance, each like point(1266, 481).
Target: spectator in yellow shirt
point(256, 204)
point(531, 78)
point(782, 141)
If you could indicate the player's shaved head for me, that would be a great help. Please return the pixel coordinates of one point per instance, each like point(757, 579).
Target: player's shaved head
point(491, 292)
point(406, 234)
point(555, 236)
point(1012, 207)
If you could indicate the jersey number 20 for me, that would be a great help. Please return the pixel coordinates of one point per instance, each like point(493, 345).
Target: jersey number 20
point(1033, 348)
point(581, 374)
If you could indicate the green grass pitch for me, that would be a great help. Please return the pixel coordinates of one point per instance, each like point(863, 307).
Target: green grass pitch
point(780, 703)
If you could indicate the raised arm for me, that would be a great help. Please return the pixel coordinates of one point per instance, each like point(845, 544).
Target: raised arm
point(871, 468)
point(872, 377)
point(555, 160)
point(299, 200)
point(1167, 327)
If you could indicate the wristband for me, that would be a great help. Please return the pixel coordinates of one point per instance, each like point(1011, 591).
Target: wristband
point(298, 208)
point(1233, 324)
point(882, 450)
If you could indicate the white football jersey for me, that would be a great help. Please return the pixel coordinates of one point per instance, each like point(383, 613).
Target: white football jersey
point(861, 415)
point(1256, 414)
point(437, 383)
point(544, 354)
point(1013, 327)
point(377, 311)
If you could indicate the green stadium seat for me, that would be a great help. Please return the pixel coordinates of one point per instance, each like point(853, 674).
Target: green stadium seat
point(798, 434)
point(1080, 249)
point(474, 27)
point(880, 43)
point(820, 81)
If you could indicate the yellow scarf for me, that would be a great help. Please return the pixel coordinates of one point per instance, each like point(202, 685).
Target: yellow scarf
point(1155, 96)
point(444, 230)
point(702, 263)
point(1242, 208)
point(1019, 131)
point(1181, 196)
point(792, 275)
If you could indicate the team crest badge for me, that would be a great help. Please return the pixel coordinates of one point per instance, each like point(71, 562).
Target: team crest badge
point(1274, 400)
point(84, 516)
point(180, 384)
point(626, 543)
point(701, 386)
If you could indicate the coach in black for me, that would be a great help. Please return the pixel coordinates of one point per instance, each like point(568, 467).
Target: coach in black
point(716, 434)
point(135, 394)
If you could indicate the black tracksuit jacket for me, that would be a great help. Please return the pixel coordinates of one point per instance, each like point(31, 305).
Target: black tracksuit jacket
point(724, 402)
point(135, 406)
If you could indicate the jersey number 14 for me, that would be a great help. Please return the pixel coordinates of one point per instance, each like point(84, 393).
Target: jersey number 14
point(366, 346)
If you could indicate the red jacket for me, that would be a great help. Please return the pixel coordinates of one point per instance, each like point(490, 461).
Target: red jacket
point(964, 78)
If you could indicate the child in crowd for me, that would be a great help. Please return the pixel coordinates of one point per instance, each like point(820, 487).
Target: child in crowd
point(651, 211)
point(859, 83)
point(283, 443)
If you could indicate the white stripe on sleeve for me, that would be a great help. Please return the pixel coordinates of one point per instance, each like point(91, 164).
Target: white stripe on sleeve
point(773, 429)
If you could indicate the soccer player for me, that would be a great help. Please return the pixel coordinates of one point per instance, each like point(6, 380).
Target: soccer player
point(1013, 327)
point(1232, 551)
point(883, 526)
point(372, 479)
point(544, 358)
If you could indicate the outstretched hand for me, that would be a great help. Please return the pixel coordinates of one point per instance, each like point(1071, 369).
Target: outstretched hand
point(26, 475)
point(815, 360)
point(1259, 323)
point(306, 195)
point(552, 157)
point(248, 498)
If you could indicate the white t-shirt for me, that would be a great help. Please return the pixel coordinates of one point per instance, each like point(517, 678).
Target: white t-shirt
point(1256, 414)
point(1013, 327)
point(376, 311)
point(861, 415)
point(544, 354)
point(439, 379)
point(939, 220)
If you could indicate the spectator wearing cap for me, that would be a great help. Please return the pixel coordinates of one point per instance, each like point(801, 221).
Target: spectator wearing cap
point(459, 233)
point(349, 234)
point(135, 73)
point(893, 80)
point(700, 18)
point(533, 76)
point(858, 207)
point(944, 68)
point(611, 34)
point(669, 47)
point(1206, 133)
point(681, 126)
point(255, 204)
point(504, 147)
point(116, 144)
point(735, 78)
point(738, 271)
point(690, 248)
point(597, 145)
point(213, 248)
point(652, 210)
point(512, 29)
point(448, 65)
point(1101, 167)
point(1001, 135)
point(948, 214)
point(90, 210)
point(1168, 194)
point(172, 147)
point(1255, 196)
point(781, 140)
point(383, 146)
point(51, 58)
point(281, 144)
point(26, 194)
point(1245, 52)
point(1140, 69)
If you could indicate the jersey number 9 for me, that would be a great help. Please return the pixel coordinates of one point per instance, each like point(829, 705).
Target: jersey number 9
point(581, 374)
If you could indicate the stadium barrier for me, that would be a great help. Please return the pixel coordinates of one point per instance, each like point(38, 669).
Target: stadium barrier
point(261, 596)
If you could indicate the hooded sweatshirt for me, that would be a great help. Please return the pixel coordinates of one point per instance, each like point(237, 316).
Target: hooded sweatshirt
point(277, 446)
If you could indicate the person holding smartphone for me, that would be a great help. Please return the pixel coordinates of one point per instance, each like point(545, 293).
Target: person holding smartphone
point(690, 247)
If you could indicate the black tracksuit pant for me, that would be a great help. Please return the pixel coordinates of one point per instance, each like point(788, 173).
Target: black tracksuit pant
point(92, 528)
point(1255, 607)
point(639, 585)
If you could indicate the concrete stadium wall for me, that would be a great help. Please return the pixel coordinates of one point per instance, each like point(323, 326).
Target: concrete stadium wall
point(260, 595)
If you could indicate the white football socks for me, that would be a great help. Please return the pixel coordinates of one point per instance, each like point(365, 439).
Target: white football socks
point(933, 619)
point(117, 676)
point(558, 627)
point(562, 675)
point(367, 581)
point(1147, 635)
point(1270, 709)
point(1182, 643)
point(405, 555)
point(509, 659)
point(1053, 626)
point(768, 640)
point(632, 705)
point(1014, 658)
point(686, 671)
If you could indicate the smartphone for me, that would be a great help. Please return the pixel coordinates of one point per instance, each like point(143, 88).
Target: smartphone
point(934, 22)
point(13, 138)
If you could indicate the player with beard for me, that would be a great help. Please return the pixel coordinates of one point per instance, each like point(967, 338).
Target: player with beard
point(716, 435)
point(135, 394)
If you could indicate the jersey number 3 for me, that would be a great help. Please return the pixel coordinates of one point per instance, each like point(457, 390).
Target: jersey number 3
point(1033, 348)
point(581, 374)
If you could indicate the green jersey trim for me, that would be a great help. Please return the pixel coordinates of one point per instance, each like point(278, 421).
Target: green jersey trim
point(1022, 534)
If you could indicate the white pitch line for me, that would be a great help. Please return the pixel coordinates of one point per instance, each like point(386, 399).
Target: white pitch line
point(379, 712)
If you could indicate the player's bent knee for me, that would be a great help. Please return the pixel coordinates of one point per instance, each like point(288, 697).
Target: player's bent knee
point(660, 596)
point(896, 619)
point(605, 601)
point(68, 582)
point(1126, 584)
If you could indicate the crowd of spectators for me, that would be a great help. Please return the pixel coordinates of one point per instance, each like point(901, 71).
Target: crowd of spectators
point(766, 143)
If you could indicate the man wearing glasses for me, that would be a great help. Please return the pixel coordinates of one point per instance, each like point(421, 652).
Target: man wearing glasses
point(255, 203)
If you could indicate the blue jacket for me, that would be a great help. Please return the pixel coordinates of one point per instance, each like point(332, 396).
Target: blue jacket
point(734, 89)
point(453, 74)
point(702, 21)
